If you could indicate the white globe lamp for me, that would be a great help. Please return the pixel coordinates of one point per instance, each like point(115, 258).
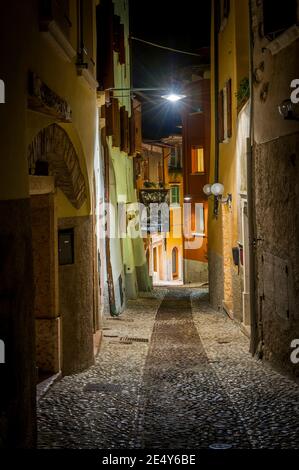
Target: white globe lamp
point(217, 189)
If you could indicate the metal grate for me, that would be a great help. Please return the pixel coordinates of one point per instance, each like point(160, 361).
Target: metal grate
point(129, 320)
point(220, 446)
point(126, 339)
point(102, 387)
point(123, 343)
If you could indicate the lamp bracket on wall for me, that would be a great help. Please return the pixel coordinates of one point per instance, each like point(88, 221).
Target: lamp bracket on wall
point(226, 200)
point(217, 190)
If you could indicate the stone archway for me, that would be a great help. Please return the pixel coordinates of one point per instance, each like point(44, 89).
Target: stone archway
point(53, 147)
point(63, 299)
point(175, 263)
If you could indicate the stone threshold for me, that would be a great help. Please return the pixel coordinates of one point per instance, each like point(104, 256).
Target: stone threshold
point(228, 311)
point(97, 342)
point(243, 328)
point(43, 387)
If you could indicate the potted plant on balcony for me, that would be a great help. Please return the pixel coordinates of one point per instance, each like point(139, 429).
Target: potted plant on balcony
point(149, 184)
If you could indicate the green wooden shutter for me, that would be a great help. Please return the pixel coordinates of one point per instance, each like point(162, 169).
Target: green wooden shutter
point(175, 195)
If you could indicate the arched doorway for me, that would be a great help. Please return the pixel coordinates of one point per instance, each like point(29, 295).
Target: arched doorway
point(51, 153)
point(175, 263)
point(63, 304)
point(148, 259)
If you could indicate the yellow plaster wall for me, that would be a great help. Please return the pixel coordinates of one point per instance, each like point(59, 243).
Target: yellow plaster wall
point(37, 55)
point(233, 64)
point(174, 236)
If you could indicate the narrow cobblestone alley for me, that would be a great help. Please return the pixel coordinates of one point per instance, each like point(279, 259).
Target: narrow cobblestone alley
point(171, 373)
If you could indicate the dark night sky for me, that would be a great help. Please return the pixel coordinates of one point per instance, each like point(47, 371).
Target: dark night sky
point(184, 26)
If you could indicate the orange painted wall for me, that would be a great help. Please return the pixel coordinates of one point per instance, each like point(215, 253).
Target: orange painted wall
point(196, 132)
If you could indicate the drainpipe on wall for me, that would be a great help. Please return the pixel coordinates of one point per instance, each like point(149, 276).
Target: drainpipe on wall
point(81, 47)
point(111, 294)
point(216, 90)
point(254, 338)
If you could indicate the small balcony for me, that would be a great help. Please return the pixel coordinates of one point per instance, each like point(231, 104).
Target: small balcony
point(154, 219)
point(175, 170)
point(153, 196)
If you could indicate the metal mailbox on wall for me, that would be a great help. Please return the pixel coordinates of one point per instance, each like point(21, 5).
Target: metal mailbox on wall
point(66, 246)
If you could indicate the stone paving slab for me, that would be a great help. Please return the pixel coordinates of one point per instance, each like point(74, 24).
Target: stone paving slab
point(186, 405)
point(266, 401)
point(194, 384)
point(68, 417)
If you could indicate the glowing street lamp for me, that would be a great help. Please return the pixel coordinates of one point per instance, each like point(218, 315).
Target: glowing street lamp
point(173, 97)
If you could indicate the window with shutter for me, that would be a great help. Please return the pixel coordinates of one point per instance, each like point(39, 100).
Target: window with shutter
point(122, 50)
point(225, 112)
point(105, 66)
point(132, 135)
point(179, 156)
point(278, 16)
point(173, 158)
point(113, 122)
point(155, 260)
point(175, 195)
point(229, 107)
point(220, 116)
point(226, 8)
point(116, 123)
point(138, 128)
point(135, 128)
point(222, 10)
point(198, 163)
point(119, 39)
point(85, 60)
point(103, 111)
point(86, 33)
point(199, 219)
point(55, 10)
point(175, 267)
point(124, 129)
point(116, 33)
point(160, 172)
point(137, 168)
point(146, 170)
point(217, 14)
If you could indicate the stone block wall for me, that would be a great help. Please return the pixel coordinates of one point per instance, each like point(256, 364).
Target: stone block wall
point(276, 171)
point(18, 374)
point(216, 281)
point(195, 271)
point(77, 297)
point(45, 264)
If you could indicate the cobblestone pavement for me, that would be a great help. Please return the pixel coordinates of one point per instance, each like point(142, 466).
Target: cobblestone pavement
point(192, 385)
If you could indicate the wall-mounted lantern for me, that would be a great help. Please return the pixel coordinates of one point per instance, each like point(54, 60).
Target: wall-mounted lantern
point(217, 190)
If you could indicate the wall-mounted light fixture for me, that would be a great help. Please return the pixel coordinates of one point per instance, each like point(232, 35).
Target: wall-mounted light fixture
point(171, 96)
point(217, 190)
point(207, 189)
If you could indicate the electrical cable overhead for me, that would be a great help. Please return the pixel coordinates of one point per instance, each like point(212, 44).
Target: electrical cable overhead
point(164, 47)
